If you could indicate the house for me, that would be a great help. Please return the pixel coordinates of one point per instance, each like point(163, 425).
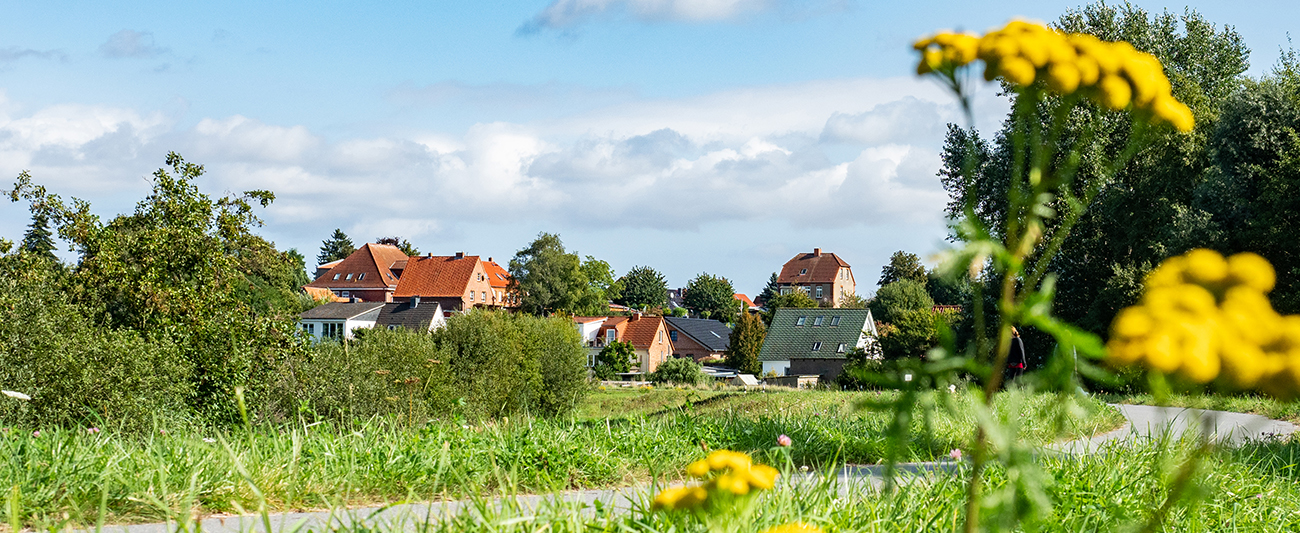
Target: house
point(321, 270)
point(337, 320)
point(499, 280)
point(698, 338)
point(322, 295)
point(824, 276)
point(815, 341)
point(457, 282)
point(676, 298)
point(647, 334)
point(370, 274)
point(413, 315)
point(748, 304)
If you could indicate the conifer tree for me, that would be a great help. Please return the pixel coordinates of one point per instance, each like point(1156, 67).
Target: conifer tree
point(39, 240)
point(338, 246)
point(746, 343)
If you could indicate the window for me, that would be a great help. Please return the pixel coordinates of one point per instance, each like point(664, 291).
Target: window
point(817, 346)
point(672, 335)
point(835, 321)
point(361, 276)
point(819, 292)
point(471, 296)
point(309, 328)
point(661, 336)
point(800, 321)
point(345, 294)
point(332, 330)
point(818, 321)
point(841, 348)
point(803, 271)
point(336, 276)
point(395, 326)
point(348, 277)
point(785, 291)
point(484, 294)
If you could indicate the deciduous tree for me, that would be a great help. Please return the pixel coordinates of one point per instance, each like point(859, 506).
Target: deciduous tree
point(902, 265)
point(710, 296)
point(643, 288)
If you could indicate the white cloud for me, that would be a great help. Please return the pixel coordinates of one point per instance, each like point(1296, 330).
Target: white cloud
point(567, 13)
point(131, 43)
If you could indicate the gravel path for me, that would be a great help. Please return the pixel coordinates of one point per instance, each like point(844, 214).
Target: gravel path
point(1142, 421)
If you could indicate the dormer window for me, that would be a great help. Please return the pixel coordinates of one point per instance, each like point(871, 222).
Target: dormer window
point(817, 347)
point(841, 348)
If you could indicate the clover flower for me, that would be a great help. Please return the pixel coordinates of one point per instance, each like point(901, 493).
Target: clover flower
point(1205, 317)
point(1112, 74)
point(784, 441)
point(726, 472)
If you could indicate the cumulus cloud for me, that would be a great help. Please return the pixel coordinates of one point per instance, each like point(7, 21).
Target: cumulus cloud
point(561, 14)
point(131, 44)
point(830, 154)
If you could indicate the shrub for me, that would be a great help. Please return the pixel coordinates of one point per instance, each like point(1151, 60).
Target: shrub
point(614, 358)
point(680, 371)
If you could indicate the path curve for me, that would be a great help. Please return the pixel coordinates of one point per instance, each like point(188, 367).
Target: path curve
point(1142, 421)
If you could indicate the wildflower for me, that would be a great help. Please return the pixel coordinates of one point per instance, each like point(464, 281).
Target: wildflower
point(209, 440)
point(955, 454)
point(1111, 74)
point(732, 473)
point(1205, 317)
point(794, 527)
point(952, 389)
point(162, 432)
point(36, 433)
point(92, 431)
point(680, 498)
point(784, 441)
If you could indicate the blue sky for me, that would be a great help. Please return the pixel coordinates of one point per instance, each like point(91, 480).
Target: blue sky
point(689, 135)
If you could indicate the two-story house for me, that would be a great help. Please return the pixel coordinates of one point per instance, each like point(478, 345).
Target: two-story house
point(647, 334)
point(457, 282)
point(698, 338)
point(815, 341)
point(370, 274)
point(824, 276)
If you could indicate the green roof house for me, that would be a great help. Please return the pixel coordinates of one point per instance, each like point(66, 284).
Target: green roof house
point(815, 341)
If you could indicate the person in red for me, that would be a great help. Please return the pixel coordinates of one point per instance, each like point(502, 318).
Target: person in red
point(1016, 358)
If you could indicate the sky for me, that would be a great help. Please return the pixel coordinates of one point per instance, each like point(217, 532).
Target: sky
point(719, 136)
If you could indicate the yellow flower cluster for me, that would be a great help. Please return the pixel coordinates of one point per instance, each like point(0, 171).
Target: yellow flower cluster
point(1113, 74)
point(1203, 316)
point(794, 527)
point(726, 471)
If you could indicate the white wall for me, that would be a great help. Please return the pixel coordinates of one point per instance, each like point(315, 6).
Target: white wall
point(780, 367)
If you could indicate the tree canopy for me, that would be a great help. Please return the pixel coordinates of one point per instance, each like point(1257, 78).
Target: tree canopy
point(895, 298)
point(338, 246)
point(403, 244)
point(902, 265)
point(643, 288)
point(710, 296)
point(745, 344)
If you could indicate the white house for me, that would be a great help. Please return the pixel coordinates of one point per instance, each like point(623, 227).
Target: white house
point(413, 315)
point(337, 320)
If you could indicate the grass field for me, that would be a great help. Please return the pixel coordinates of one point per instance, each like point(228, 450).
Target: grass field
point(619, 438)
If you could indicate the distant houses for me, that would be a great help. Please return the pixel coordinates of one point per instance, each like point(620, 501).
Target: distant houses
point(647, 334)
point(815, 341)
point(338, 320)
point(824, 276)
point(697, 338)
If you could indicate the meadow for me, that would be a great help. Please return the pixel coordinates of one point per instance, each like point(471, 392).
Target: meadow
point(617, 438)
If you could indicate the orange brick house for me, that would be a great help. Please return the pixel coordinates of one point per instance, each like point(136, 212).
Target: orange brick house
point(370, 274)
point(499, 279)
point(824, 276)
point(458, 282)
point(648, 335)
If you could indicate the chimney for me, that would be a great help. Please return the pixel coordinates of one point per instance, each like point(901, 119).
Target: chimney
point(415, 302)
point(460, 255)
point(429, 255)
point(817, 252)
point(489, 259)
point(636, 315)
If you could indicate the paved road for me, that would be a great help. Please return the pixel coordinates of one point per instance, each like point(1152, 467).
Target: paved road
point(1143, 421)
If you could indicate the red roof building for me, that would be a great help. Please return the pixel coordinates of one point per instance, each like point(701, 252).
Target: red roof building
point(499, 279)
point(824, 276)
point(648, 335)
point(370, 274)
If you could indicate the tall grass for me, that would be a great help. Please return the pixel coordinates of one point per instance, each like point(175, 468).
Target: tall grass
point(325, 465)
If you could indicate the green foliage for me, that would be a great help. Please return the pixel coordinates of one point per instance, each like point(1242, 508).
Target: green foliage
point(949, 290)
point(745, 344)
point(39, 240)
point(615, 358)
point(902, 265)
point(601, 288)
point(710, 296)
point(853, 301)
point(897, 297)
point(77, 373)
point(403, 244)
point(678, 371)
point(643, 288)
point(771, 290)
point(559, 350)
point(914, 332)
point(338, 246)
point(548, 278)
point(797, 298)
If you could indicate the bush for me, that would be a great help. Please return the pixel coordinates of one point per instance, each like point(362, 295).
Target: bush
point(614, 358)
point(678, 370)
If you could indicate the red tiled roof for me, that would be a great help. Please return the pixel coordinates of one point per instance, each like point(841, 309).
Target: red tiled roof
point(367, 268)
point(745, 299)
point(642, 332)
point(586, 319)
point(818, 267)
point(437, 276)
point(497, 276)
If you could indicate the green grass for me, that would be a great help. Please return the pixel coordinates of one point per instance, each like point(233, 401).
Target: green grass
point(1239, 403)
point(323, 466)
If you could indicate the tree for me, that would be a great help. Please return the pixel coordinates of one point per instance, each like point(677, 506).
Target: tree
point(601, 288)
point(710, 296)
point(643, 288)
point(679, 371)
point(897, 297)
point(945, 291)
point(546, 277)
point(771, 290)
point(299, 264)
point(914, 332)
point(745, 344)
point(614, 359)
point(404, 245)
point(337, 247)
point(902, 265)
point(39, 240)
point(797, 298)
point(853, 301)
